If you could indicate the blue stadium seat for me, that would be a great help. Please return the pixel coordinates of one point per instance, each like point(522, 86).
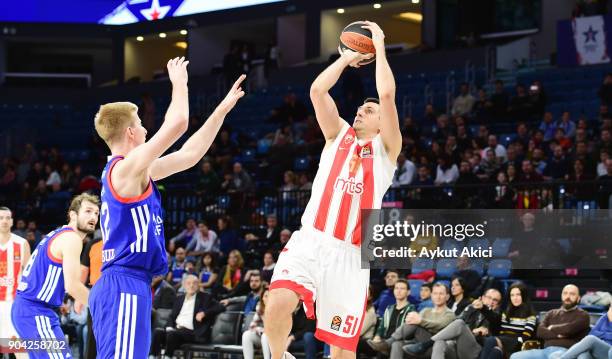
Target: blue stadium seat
point(501, 247)
point(301, 164)
point(445, 268)
point(452, 244)
point(421, 265)
point(478, 265)
point(500, 268)
point(415, 287)
point(477, 243)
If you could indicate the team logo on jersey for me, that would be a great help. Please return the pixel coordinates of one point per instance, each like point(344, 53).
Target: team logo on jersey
point(366, 152)
point(336, 323)
point(349, 186)
point(7, 282)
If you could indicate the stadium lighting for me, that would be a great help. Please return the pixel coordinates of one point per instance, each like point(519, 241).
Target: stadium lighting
point(377, 6)
point(162, 35)
point(139, 38)
point(415, 1)
point(411, 16)
point(340, 11)
point(183, 32)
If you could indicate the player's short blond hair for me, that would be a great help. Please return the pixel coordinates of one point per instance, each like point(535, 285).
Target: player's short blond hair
point(113, 118)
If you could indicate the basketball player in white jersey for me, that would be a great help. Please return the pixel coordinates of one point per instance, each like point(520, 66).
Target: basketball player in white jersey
point(322, 261)
point(14, 254)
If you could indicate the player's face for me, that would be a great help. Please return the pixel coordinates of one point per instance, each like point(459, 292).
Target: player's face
point(6, 221)
point(138, 131)
point(87, 217)
point(367, 118)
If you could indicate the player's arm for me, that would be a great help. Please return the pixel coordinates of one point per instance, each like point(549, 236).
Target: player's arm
point(324, 106)
point(198, 144)
point(26, 254)
point(175, 124)
point(70, 248)
point(385, 86)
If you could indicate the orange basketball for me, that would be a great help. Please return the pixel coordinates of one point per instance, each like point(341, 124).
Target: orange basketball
point(358, 39)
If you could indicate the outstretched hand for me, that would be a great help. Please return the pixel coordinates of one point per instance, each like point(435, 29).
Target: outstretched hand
point(234, 94)
point(354, 58)
point(378, 36)
point(177, 71)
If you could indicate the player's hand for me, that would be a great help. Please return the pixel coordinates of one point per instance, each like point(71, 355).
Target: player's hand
point(234, 94)
point(378, 36)
point(78, 307)
point(200, 316)
point(177, 71)
point(353, 58)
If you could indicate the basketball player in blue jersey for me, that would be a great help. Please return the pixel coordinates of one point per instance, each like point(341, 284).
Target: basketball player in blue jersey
point(54, 269)
point(131, 214)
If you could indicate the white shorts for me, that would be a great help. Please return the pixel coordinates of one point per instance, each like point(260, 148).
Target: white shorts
point(6, 324)
point(325, 270)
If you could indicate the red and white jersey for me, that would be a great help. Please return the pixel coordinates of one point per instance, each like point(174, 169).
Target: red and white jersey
point(352, 175)
point(11, 258)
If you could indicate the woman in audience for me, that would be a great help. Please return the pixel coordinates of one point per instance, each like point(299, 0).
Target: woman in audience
point(517, 325)
point(368, 328)
point(208, 273)
point(598, 344)
point(268, 266)
point(252, 337)
point(459, 299)
point(231, 273)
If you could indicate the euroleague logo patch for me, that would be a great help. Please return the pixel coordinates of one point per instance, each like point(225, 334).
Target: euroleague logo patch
point(336, 323)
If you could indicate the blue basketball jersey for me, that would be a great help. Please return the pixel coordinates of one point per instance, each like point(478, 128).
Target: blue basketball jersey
point(132, 228)
point(42, 279)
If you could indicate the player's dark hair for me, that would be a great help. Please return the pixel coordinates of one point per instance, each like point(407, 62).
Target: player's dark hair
point(4, 208)
point(372, 99)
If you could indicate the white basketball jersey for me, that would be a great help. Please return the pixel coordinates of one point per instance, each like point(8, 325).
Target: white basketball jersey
point(11, 260)
point(352, 175)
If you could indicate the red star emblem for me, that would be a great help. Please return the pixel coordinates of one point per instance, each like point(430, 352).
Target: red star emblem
point(154, 14)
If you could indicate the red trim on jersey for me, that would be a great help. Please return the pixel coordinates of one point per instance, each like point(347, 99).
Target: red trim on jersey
point(49, 254)
point(328, 192)
point(17, 251)
point(305, 294)
point(3, 259)
point(115, 195)
point(367, 197)
point(346, 343)
point(347, 198)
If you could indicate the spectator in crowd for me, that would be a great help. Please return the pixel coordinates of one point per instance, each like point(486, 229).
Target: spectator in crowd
point(538, 99)
point(301, 337)
point(254, 335)
point(368, 328)
point(190, 269)
point(163, 293)
point(223, 149)
point(503, 196)
point(488, 166)
point(579, 176)
point(304, 182)
point(53, 176)
point(605, 186)
point(560, 328)
point(568, 126)
point(393, 318)
point(463, 337)
point(459, 299)
point(521, 106)
point(289, 181)
point(20, 228)
point(557, 166)
point(228, 237)
point(240, 181)
point(74, 324)
point(204, 240)
point(423, 177)
point(177, 268)
point(471, 278)
point(268, 266)
point(446, 172)
point(193, 315)
point(605, 141)
point(482, 107)
point(419, 326)
point(209, 272)
point(539, 161)
point(517, 326)
point(425, 297)
point(605, 91)
point(529, 174)
point(548, 126)
point(230, 274)
point(582, 153)
point(260, 242)
point(284, 237)
point(33, 227)
point(387, 296)
point(184, 237)
point(252, 298)
point(209, 183)
point(598, 344)
point(500, 150)
point(404, 173)
point(464, 102)
point(499, 101)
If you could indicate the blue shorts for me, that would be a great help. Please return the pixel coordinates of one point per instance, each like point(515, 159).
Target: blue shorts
point(39, 326)
point(120, 305)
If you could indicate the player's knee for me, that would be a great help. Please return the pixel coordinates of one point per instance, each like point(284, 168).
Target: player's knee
point(281, 303)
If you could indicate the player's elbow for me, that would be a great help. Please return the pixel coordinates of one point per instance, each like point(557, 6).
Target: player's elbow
point(179, 124)
point(316, 92)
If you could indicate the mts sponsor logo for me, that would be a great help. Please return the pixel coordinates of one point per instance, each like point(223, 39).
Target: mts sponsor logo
point(7, 282)
point(349, 186)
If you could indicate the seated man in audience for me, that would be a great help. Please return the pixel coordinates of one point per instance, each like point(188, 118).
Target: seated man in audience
point(250, 300)
point(461, 337)
point(561, 328)
point(163, 293)
point(177, 268)
point(191, 320)
point(425, 296)
point(598, 344)
point(420, 326)
point(471, 277)
point(394, 316)
point(386, 297)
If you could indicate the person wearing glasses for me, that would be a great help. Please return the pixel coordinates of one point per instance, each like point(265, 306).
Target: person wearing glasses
point(464, 335)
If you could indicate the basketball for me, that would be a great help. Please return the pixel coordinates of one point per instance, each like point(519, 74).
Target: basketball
point(358, 39)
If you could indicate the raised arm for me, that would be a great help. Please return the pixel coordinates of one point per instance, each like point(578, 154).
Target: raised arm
point(196, 146)
point(324, 106)
point(385, 86)
point(175, 124)
point(70, 247)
